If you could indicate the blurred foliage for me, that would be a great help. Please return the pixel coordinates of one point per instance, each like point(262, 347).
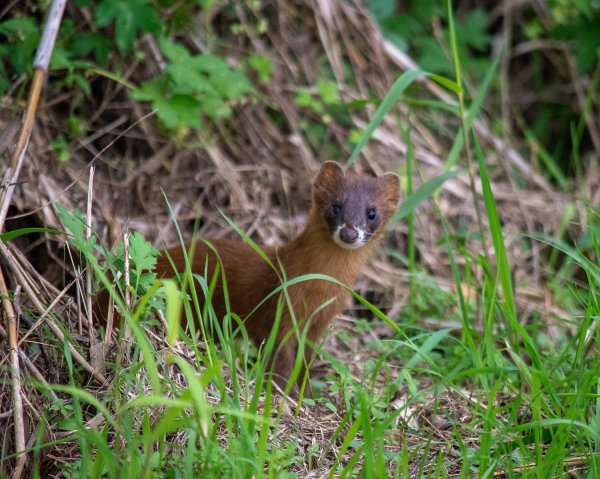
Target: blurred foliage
point(190, 87)
point(412, 29)
point(18, 40)
point(552, 124)
point(101, 38)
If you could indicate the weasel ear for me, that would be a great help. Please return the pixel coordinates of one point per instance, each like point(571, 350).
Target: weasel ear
point(390, 185)
point(330, 174)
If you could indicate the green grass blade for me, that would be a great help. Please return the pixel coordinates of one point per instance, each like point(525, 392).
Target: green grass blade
point(447, 83)
point(390, 99)
point(410, 158)
point(496, 233)
point(11, 235)
point(472, 113)
point(425, 191)
point(550, 164)
point(173, 308)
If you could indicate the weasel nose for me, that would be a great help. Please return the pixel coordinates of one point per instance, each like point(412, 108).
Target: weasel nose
point(348, 235)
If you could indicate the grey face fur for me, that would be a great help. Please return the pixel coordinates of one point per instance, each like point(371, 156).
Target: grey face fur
point(355, 208)
point(352, 214)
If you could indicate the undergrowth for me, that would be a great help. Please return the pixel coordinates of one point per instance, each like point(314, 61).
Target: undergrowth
point(212, 412)
point(488, 392)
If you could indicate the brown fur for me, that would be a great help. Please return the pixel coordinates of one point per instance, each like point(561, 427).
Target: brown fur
point(250, 279)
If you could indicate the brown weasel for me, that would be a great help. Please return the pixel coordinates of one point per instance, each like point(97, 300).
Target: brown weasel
point(348, 216)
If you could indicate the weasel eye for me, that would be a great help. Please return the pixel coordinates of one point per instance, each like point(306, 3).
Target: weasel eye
point(335, 210)
point(372, 213)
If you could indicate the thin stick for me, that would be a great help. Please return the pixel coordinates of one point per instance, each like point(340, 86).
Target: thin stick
point(126, 258)
point(109, 323)
point(125, 351)
point(127, 291)
point(89, 270)
point(9, 315)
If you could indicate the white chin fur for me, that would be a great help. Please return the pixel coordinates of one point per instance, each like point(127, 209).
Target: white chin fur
point(359, 243)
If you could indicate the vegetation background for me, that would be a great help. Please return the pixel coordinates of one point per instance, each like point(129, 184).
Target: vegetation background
point(472, 349)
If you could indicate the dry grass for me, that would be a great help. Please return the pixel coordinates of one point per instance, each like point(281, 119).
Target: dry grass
point(257, 169)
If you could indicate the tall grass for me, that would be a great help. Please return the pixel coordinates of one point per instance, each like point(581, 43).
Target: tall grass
point(531, 407)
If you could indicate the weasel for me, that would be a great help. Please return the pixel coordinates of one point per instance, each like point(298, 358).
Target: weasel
point(347, 219)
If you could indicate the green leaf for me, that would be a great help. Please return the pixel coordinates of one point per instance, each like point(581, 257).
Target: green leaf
point(503, 269)
point(186, 80)
point(75, 78)
point(192, 86)
point(153, 89)
point(178, 111)
point(173, 300)
point(60, 59)
point(209, 64)
point(425, 191)
point(215, 108)
point(550, 164)
point(328, 91)
point(91, 42)
point(174, 51)
point(381, 9)
point(304, 98)
point(142, 253)
point(584, 37)
point(143, 281)
point(60, 147)
point(431, 56)
point(23, 37)
point(75, 223)
point(129, 17)
point(262, 65)
point(232, 84)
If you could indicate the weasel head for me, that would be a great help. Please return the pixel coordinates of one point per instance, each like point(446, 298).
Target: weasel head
point(355, 209)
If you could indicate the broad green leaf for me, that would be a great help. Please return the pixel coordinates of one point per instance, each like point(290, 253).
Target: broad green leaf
point(129, 17)
point(231, 83)
point(23, 35)
point(177, 111)
point(174, 51)
point(142, 253)
point(75, 223)
point(209, 64)
point(152, 89)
